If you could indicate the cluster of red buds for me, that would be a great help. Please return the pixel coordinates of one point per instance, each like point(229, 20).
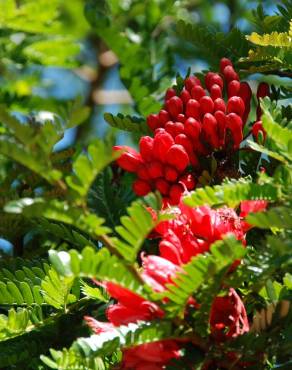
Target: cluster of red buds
point(193, 123)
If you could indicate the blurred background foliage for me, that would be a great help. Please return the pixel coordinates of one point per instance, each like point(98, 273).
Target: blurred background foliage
point(120, 55)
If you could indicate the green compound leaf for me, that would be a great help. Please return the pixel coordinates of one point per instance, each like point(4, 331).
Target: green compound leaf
point(95, 264)
point(87, 166)
point(127, 123)
point(231, 194)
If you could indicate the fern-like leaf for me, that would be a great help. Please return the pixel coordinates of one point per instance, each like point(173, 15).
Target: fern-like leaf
point(96, 264)
point(127, 123)
point(277, 217)
point(87, 166)
point(133, 231)
point(231, 194)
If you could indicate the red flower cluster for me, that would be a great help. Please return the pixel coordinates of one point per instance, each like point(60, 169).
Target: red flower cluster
point(191, 232)
point(194, 229)
point(191, 125)
point(130, 309)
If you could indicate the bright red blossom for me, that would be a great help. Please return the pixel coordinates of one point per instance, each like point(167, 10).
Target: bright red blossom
point(189, 233)
point(150, 356)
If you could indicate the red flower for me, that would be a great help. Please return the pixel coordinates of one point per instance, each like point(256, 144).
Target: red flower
point(158, 271)
point(211, 225)
point(228, 317)
point(150, 356)
point(130, 307)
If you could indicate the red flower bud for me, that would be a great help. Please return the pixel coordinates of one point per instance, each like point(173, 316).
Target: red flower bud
point(177, 157)
point(179, 128)
point(193, 109)
point(224, 62)
point(208, 77)
point(210, 130)
point(130, 160)
point(174, 128)
point(181, 118)
point(183, 140)
point(169, 127)
point(230, 74)
point(234, 124)
point(216, 79)
point(174, 106)
point(162, 142)
point(175, 193)
point(162, 186)
point(141, 187)
point(235, 105)
point(221, 121)
point(263, 90)
point(245, 92)
point(163, 117)
point(215, 92)
point(206, 105)
point(189, 181)
point(155, 169)
point(197, 92)
point(192, 81)
point(185, 96)
point(142, 172)
point(219, 104)
point(153, 121)
point(233, 88)
point(170, 173)
point(168, 250)
point(258, 128)
point(146, 148)
point(192, 128)
point(170, 93)
point(213, 79)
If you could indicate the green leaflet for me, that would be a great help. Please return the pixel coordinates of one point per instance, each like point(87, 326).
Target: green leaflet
point(231, 194)
point(56, 291)
point(95, 264)
point(87, 166)
point(231, 45)
point(29, 285)
point(282, 136)
point(64, 233)
point(71, 360)
point(18, 321)
point(277, 217)
point(271, 51)
point(127, 123)
point(133, 230)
